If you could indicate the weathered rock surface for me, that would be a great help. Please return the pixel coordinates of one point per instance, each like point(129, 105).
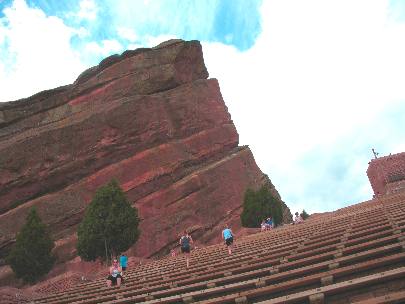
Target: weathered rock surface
point(149, 118)
point(387, 174)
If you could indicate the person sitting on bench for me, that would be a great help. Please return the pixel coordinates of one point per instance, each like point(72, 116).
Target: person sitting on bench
point(114, 277)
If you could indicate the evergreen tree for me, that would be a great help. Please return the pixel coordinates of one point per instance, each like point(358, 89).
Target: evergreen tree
point(258, 205)
point(30, 258)
point(109, 226)
point(304, 215)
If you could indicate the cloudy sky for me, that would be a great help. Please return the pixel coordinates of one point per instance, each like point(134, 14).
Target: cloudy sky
point(312, 85)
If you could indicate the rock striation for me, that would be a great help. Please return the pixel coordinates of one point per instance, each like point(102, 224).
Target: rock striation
point(150, 118)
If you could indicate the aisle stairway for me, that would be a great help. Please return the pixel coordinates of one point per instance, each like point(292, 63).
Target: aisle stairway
point(352, 255)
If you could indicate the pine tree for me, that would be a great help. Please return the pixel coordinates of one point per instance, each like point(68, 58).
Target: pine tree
point(304, 215)
point(110, 224)
point(258, 205)
point(30, 258)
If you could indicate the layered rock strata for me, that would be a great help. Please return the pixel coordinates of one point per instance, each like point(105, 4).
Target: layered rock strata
point(149, 118)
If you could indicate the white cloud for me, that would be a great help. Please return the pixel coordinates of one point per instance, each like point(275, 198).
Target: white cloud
point(151, 41)
point(127, 33)
point(316, 83)
point(134, 46)
point(88, 10)
point(105, 48)
point(82, 32)
point(36, 52)
point(316, 73)
point(2, 32)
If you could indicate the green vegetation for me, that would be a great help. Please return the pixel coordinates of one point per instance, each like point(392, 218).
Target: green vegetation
point(258, 205)
point(109, 226)
point(31, 258)
point(304, 215)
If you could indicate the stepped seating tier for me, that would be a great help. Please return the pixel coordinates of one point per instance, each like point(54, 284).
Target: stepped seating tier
point(353, 255)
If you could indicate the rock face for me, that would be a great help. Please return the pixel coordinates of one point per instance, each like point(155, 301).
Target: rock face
point(149, 118)
point(387, 174)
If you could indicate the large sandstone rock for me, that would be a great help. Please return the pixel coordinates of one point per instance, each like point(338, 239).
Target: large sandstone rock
point(149, 118)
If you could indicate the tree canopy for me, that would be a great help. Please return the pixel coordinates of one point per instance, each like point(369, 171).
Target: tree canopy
point(31, 257)
point(304, 215)
point(109, 226)
point(258, 205)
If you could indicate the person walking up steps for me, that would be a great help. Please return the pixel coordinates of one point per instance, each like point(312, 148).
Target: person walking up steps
point(123, 262)
point(185, 243)
point(227, 235)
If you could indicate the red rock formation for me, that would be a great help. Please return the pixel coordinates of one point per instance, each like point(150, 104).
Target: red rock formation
point(149, 118)
point(387, 174)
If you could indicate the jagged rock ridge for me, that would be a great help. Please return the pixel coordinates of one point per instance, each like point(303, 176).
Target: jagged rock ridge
point(150, 118)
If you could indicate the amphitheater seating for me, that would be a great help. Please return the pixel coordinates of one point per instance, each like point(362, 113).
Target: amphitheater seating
point(353, 255)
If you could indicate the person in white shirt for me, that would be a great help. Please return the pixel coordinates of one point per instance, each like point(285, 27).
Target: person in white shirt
point(114, 276)
point(298, 219)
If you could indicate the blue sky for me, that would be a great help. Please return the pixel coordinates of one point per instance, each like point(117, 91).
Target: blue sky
point(311, 85)
point(232, 22)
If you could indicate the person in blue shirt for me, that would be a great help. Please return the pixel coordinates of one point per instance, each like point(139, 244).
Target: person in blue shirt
point(123, 262)
point(227, 235)
point(269, 223)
